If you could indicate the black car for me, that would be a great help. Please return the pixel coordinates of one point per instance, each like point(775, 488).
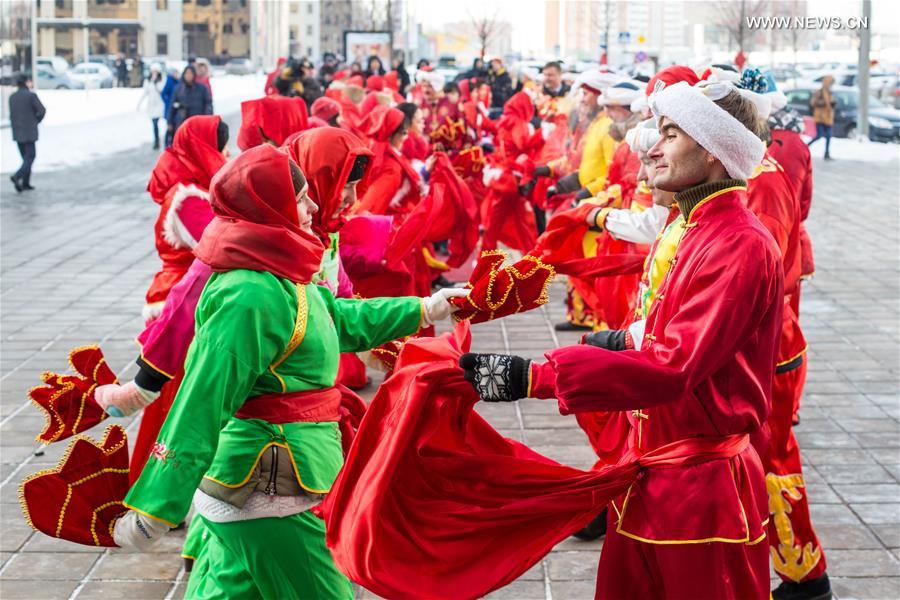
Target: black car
point(884, 122)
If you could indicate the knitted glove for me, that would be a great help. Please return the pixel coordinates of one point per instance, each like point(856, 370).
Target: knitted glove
point(137, 532)
point(496, 377)
point(123, 400)
point(542, 171)
point(437, 306)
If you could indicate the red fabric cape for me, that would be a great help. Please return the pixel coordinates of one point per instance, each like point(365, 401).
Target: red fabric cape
point(276, 116)
point(560, 246)
point(326, 157)
point(256, 225)
point(192, 158)
point(432, 502)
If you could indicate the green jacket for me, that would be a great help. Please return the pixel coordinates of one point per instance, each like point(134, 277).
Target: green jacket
point(259, 334)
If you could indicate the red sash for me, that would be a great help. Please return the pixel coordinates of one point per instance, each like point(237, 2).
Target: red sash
point(306, 406)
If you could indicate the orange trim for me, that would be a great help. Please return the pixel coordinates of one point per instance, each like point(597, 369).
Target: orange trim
point(793, 358)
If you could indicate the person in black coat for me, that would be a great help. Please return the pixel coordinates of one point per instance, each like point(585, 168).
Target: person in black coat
point(25, 112)
point(189, 99)
point(501, 84)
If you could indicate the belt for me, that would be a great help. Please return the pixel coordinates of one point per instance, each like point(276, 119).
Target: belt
point(306, 406)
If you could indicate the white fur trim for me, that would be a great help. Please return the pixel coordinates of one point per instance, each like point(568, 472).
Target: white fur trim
point(174, 231)
point(738, 149)
point(435, 79)
point(642, 137)
point(152, 311)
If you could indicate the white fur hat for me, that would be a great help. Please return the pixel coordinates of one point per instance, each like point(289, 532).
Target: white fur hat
point(434, 78)
point(642, 137)
point(596, 81)
point(621, 94)
point(693, 109)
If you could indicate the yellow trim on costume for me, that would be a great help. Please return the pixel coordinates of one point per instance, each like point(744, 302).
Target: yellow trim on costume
point(710, 197)
point(530, 370)
point(433, 262)
point(155, 368)
point(744, 540)
point(298, 334)
point(149, 516)
point(258, 456)
point(793, 358)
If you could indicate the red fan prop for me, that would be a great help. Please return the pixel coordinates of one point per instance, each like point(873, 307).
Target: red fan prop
point(82, 497)
point(68, 400)
point(498, 291)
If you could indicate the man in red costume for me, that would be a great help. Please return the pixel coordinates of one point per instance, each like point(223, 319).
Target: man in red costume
point(702, 371)
point(797, 555)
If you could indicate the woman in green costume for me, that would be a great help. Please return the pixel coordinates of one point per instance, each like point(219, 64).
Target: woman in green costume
point(253, 437)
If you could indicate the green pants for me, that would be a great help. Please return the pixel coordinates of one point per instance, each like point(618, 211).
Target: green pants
point(272, 558)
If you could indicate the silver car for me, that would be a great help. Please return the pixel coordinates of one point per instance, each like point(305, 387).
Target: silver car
point(48, 79)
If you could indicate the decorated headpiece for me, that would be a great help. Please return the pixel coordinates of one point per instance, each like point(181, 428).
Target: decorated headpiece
point(694, 110)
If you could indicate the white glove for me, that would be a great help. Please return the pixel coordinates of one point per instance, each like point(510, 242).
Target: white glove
point(134, 531)
point(123, 400)
point(437, 306)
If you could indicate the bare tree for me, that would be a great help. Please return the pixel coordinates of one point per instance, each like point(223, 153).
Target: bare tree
point(485, 29)
point(733, 16)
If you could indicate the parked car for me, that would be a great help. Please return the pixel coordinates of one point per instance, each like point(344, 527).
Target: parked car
point(49, 79)
point(55, 63)
point(884, 122)
point(92, 75)
point(239, 66)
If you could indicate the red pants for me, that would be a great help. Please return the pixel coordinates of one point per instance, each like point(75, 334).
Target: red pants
point(796, 552)
point(633, 569)
point(151, 422)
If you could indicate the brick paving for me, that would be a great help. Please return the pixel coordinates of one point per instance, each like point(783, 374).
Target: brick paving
point(77, 257)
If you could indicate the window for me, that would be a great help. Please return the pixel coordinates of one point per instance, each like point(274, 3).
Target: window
point(245, 27)
point(292, 34)
point(162, 44)
point(309, 52)
point(227, 28)
point(309, 30)
point(309, 8)
point(204, 2)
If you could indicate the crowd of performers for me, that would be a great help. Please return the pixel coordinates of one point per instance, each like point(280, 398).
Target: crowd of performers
point(335, 231)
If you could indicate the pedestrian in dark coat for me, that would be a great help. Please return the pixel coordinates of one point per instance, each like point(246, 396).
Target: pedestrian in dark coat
point(25, 112)
point(189, 99)
point(501, 84)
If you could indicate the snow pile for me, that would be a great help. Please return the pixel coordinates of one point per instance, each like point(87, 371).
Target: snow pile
point(84, 125)
point(862, 150)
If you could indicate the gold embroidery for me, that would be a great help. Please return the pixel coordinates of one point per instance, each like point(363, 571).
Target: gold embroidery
point(789, 558)
point(298, 334)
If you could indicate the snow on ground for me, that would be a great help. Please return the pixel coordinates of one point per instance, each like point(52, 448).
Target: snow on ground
point(847, 149)
point(83, 125)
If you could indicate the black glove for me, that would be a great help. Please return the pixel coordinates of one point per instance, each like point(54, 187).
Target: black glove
point(610, 339)
point(496, 377)
point(568, 183)
point(542, 171)
point(552, 191)
point(583, 194)
point(525, 190)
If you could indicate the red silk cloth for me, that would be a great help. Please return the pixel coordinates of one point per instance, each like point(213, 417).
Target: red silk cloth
point(194, 157)
point(67, 401)
point(80, 499)
point(498, 291)
point(561, 246)
point(433, 502)
point(272, 118)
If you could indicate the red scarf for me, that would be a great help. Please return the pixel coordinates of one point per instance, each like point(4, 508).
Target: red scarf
point(193, 157)
point(256, 225)
point(326, 157)
point(276, 117)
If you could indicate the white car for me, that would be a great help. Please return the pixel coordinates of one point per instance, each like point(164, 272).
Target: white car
point(92, 75)
point(55, 63)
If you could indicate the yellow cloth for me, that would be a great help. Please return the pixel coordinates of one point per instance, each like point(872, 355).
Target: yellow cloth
point(599, 147)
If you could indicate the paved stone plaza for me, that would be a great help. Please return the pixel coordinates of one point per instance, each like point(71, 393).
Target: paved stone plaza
point(77, 256)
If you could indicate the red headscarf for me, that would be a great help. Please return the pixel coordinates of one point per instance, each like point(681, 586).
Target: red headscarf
point(325, 108)
point(275, 117)
point(256, 225)
point(375, 83)
point(193, 157)
point(392, 81)
point(382, 122)
point(326, 157)
point(519, 108)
